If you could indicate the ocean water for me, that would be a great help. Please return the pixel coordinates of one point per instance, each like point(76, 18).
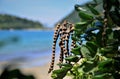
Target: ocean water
point(24, 45)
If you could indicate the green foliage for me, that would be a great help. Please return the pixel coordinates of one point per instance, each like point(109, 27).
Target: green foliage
point(76, 51)
point(85, 16)
point(72, 58)
point(93, 10)
point(73, 17)
point(13, 22)
point(96, 55)
point(60, 73)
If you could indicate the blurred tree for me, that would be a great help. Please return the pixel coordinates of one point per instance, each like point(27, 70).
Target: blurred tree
point(13, 22)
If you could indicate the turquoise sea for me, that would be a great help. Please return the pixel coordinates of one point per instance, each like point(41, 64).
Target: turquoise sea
point(26, 46)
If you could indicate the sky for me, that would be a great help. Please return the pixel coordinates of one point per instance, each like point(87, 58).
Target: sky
point(48, 12)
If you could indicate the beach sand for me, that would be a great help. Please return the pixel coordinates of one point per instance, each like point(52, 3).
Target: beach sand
point(39, 72)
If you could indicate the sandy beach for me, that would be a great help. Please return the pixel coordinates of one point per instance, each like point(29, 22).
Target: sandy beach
point(39, 72)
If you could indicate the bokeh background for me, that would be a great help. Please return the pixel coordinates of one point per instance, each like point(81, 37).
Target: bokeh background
point(26, 32)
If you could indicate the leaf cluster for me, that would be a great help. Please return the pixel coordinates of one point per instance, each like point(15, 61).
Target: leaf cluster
point(91, 59)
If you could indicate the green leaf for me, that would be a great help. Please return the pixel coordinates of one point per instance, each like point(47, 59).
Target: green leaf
point(72, 58)
point(85, 16)
point(117, 34)
point(60, 73)
point(65, 65)
point(105, 65)
point(81, 25)
point(85, 52)
point(74, 38)
point(79, 8)
point(99, 38)
point(115, 17)
point(110, 22)
point(108, 31)
point(103, 76)
point(92, 48)
point(89, 66)
point(76, 51)
point(77, 34)
point(93, 10)
point(106, 50)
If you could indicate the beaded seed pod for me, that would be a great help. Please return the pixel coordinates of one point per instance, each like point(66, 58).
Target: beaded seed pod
point(63, 32)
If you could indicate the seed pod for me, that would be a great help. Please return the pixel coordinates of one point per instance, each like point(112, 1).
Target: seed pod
point(56, 35)
point(62, 32)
